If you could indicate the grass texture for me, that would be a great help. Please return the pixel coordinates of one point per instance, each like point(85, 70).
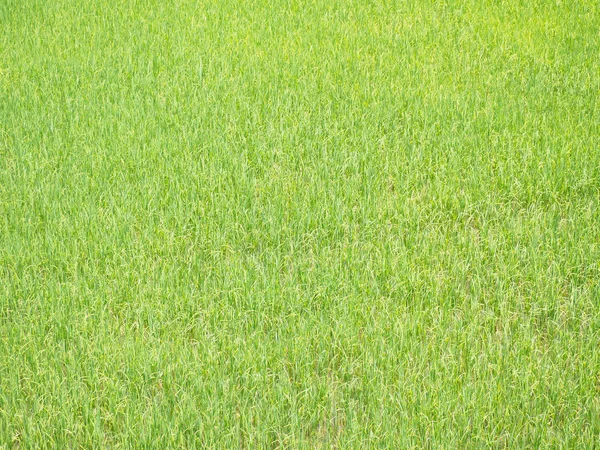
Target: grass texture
point(299, 224)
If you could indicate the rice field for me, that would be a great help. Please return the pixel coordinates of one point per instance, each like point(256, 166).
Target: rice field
point(299, 224)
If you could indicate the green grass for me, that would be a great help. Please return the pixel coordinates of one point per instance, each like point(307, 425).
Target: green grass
point(299, 224)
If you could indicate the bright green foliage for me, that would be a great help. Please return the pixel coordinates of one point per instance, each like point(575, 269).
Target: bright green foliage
point(299, 224)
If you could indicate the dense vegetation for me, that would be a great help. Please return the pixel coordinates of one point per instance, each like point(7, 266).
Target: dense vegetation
point(299, 224)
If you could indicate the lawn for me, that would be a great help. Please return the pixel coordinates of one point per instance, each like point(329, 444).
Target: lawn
point(299, 224)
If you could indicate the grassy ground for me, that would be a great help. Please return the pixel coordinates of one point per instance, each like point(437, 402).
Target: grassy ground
point(299, 224)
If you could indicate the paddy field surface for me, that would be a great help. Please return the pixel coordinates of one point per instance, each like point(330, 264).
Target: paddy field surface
point(299, 224)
